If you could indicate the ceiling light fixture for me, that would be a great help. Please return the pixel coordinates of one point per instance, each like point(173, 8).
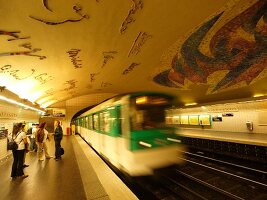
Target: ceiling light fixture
point(258, 95)
point(20, 104)
point(190, 104)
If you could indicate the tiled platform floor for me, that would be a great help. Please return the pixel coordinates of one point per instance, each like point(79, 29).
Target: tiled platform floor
point(81, 174)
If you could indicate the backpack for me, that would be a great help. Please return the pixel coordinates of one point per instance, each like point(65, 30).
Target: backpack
point(40, 135)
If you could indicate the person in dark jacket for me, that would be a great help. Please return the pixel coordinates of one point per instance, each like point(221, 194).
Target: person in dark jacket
point(58, 137)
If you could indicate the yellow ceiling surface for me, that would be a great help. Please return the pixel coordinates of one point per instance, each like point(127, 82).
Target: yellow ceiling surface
point(200, 51)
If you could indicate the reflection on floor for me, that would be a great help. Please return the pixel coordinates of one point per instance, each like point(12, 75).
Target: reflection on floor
point(81, 174)
point(48, 179)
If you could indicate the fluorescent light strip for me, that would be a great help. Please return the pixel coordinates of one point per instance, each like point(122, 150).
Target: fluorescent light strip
point(190, 104)
point(20, 104)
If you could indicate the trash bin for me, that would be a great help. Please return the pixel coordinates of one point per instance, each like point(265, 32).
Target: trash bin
point(68, 130)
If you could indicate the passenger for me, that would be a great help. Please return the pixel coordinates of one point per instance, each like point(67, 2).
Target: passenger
point(41, 137)
point(26, 147)
point(58, 137)
point(32, 132)
point(21, 139)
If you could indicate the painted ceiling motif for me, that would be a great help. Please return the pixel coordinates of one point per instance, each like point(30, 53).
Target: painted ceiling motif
point(237, 52)
point(202, 51)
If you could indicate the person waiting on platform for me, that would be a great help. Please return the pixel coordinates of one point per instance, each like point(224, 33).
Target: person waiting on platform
point(31, 133)
point(26, 146)
point(20, 138)
point(58, 137)
point(41, 136)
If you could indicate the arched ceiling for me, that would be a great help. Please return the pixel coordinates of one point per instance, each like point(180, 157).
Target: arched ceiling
point(200, 51)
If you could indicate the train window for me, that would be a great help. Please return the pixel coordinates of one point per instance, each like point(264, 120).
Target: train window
point(86, 122)
point(106, 121)
point(90, 125)
point(95, 122)
point(152, 100)
point(148, 115)
point(101, 120)
point(82, 122)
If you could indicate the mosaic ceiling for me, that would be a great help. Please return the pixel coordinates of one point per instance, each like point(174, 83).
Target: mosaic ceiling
point(202, 51)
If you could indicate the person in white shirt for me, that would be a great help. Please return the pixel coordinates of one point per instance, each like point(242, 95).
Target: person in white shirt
point(20, 138)
point(33, 146)
point(41, 137)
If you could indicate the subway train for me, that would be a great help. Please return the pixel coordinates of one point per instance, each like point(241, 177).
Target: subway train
point(130, 132)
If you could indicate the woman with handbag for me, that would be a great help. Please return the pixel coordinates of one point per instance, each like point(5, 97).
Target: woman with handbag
point(20, 138)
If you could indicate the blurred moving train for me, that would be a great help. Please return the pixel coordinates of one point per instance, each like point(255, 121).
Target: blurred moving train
point(130, 132)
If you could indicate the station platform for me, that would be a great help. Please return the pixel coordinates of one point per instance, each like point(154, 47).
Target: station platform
point(258, 139)
point(81, 174)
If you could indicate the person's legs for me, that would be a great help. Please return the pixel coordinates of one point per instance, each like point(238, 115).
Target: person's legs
point(46, 150)
point(15, 164)
point(57, 149)
point(40, 151)
point(31, 144)
point(34, 145)
point(20, 162)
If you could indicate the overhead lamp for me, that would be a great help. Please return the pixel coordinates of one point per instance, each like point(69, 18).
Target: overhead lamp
point(190, 104)
point(20, 104)
point(258, 95)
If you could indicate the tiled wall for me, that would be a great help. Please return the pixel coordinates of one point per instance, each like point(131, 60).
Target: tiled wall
point(242, 112)
point(9, 115)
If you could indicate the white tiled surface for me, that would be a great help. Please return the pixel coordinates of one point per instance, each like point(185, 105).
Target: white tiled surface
point(243, 138)
point(243, 112)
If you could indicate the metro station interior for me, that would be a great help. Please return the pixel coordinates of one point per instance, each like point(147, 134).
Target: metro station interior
point(156, 99)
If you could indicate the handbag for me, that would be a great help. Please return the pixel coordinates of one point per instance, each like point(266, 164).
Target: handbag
point(62, 151)
point(12, 145)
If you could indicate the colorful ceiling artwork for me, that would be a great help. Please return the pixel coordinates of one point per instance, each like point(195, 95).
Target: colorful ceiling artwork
point(237, 52)
point(199, 51)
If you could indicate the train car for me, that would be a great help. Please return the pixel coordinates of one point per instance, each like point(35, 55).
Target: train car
point(130, 132)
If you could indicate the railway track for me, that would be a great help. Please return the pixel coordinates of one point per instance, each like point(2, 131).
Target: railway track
point(204, 177)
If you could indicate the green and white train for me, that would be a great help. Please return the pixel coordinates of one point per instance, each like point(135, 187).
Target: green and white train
point(130, 132)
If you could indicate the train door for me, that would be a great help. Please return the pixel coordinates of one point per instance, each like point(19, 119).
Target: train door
point(102, 138)
point(115, 132)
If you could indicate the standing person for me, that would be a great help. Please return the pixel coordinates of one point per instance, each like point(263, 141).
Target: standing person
point(41, 136)
point(32, 132)
point(21, 139)
point(58, 137)
point(26, 146)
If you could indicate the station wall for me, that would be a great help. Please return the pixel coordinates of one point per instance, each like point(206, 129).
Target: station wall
point(9, 115)
point(234, 116)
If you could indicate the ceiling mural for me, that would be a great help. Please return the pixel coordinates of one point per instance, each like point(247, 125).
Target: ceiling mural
point(28, 46)
point(236, 52)
point(202, 51)
point(137, 5)
point(77, 9)
point(108, 55)
point(138, 43)
point(75, 59)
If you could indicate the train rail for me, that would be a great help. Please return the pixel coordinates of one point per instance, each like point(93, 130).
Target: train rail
point(204, 177)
